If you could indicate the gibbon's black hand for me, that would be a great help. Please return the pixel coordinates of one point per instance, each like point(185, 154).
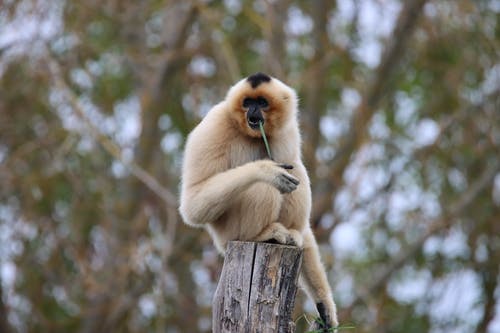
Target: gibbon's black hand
point(291, 179)
point(285, 182)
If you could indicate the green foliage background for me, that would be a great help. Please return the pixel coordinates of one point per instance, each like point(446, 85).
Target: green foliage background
point(400, 118)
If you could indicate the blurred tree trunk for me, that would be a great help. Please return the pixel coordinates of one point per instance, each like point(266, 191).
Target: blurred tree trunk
point(4, 322)
point(139, 203)
point(166, 62)
point(186, 302)
point(275, 36)
point(157, 99)
point(372, 96)
point(489, 271)
point(315, 85)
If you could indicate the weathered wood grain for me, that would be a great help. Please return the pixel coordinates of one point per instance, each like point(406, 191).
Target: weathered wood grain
point(257, 288)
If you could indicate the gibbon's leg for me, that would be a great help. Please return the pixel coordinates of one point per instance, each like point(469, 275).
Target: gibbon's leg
point(313, 279)
point(281, 234)
point(205, 202)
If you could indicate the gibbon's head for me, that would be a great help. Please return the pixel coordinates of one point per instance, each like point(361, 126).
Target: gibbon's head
point(261, 98)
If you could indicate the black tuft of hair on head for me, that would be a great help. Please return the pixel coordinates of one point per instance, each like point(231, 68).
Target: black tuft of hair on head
point(258, 78)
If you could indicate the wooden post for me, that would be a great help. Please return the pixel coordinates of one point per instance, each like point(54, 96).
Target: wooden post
point(257, 287)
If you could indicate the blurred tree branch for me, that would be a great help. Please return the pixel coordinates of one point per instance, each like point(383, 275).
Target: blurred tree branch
point(489, 274)
point(446, 124)
point(96, 251)
point(223, 52)
point(276, 13)
point(448, 218)
point(315, 89)
point(178, 18)
point(4, 323)
point(112, 148)
point(371, 99)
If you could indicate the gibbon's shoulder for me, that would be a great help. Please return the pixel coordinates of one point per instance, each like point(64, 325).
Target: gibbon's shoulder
point(212, 130)
point(213, 119)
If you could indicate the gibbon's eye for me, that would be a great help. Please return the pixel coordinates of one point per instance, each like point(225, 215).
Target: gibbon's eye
point(262, 102)
point(247, 102)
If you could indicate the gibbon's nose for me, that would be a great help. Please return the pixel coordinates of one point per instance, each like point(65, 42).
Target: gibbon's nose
point(254, 117)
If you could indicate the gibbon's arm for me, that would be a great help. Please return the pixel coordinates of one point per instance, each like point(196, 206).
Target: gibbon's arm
point(205, 202)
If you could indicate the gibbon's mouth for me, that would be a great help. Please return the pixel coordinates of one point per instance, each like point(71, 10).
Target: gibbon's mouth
point(254, 118)
point(254, 125)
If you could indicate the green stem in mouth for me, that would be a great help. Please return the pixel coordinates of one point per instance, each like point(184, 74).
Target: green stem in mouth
point(265, 139)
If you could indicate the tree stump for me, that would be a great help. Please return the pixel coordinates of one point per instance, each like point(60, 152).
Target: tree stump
point(257, 288)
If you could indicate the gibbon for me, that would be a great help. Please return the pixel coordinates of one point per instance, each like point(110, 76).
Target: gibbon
point(231, 188)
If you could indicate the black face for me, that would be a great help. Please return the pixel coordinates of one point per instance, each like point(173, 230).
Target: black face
point(254, 107)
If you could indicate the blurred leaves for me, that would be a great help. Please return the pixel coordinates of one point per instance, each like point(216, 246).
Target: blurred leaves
point(399, 113)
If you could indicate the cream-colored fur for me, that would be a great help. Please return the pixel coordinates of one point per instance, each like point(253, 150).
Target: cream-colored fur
point(230, 187)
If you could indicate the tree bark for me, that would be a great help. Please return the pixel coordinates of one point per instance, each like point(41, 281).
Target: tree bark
point(257, 288)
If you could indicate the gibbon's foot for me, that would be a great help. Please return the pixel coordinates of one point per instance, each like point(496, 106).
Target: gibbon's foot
point(325, 323)
point(295, 238)
point(276, 232)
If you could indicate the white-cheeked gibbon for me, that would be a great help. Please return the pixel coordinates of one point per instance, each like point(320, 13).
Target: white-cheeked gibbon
point(232, 188)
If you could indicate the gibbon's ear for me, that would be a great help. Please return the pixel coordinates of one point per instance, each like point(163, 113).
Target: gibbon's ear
point(276, 101)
